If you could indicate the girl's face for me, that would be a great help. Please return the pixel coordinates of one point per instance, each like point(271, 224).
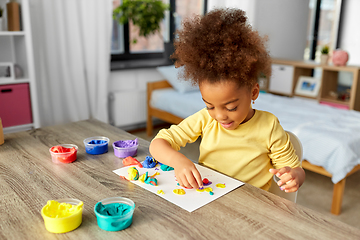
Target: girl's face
point(227, 103)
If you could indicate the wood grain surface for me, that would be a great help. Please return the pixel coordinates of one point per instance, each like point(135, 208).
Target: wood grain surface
point(28, 179)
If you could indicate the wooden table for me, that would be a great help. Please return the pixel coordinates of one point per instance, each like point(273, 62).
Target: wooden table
point(28, 179)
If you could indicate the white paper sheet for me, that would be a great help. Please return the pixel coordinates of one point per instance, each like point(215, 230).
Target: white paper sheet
point(192, 199)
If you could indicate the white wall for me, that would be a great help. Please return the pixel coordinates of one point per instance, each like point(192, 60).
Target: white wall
point(247, 5)
point(350, 34)
point(283, 21)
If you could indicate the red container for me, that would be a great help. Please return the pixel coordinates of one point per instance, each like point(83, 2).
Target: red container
point(15, 107)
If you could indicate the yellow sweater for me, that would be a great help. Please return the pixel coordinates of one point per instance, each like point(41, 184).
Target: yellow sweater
point(246, 153)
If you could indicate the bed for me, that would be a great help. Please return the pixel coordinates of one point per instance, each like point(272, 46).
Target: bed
point(330, 136)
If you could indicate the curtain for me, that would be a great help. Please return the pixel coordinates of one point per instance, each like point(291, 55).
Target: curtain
point(71, 41)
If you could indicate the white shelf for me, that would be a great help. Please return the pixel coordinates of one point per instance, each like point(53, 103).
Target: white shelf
point(11, 33)
point(12, 81)
point(16, 47)
point(18, 128)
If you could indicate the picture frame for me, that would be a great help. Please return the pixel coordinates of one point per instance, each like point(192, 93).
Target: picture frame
point(308, 86)
point(7, 71)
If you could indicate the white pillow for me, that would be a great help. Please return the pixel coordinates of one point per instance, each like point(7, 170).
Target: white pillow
point(170, 73)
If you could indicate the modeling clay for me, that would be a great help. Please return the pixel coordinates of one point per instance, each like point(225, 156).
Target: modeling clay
point(133, 173)
point(220, 185)
point(149, 162)
point(61, 149)
point(206, 182)
point(113, 209)
point(208, 189)
point(54, 209)
point(96, 147)
point(211, 193)
point(128, 161)
point(126, 143)
point(166, 168)
point(155, 174)
point(200, 189)
point(184, 186)
point(179, 191)
point(64, 158)
point(148, 180)
point(123, 177)
point(160, 192)
point(143, 177)
point(123, 149)
point(151, 181)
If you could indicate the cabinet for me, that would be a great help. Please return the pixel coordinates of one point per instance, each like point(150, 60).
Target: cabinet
point(16, 57)
point(280, 79)
point(329, 82)
point(127, 104)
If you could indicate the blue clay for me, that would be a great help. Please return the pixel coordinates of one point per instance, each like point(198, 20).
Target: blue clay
point(97, 147)
point(149, 162)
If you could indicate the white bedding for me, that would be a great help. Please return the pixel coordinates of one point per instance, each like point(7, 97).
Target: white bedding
point(330, 136)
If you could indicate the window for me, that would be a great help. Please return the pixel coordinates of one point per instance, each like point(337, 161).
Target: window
point(153, 47)
point(323, 27)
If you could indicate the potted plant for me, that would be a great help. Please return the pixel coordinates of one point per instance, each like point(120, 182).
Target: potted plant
point(144, 14)
point(324, 54)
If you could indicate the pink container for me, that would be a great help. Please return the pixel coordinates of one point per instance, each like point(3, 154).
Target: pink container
point(15, 107)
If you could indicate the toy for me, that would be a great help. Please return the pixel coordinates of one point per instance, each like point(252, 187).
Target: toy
point(340, 57)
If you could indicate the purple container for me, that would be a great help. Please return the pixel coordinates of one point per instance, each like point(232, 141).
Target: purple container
point(125, 148)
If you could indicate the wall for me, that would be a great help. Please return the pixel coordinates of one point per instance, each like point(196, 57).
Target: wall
point(127, 103)
point(350, 34)
point(283, 21)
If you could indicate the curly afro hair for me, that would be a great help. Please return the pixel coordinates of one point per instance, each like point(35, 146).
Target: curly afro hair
point(221, 46)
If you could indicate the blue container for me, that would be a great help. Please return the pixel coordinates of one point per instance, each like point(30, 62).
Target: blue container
point(96, 145)
point(114, 221)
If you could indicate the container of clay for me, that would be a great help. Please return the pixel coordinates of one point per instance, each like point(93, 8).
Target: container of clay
point(63, 153)
point(125, 148)
point(96, 145)
point(114, 213)
point(63, 215)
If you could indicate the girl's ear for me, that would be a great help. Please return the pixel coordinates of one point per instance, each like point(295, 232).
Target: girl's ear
point(255, 91)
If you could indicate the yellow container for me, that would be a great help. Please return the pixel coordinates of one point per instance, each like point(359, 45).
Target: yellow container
point(59, 219)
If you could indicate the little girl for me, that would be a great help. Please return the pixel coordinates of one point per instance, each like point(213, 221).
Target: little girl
point(223, 55)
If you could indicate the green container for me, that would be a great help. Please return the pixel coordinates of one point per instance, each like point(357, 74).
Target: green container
point(116, 222)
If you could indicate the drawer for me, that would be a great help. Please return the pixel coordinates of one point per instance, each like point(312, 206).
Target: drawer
point(281, 80)
point(15, 106)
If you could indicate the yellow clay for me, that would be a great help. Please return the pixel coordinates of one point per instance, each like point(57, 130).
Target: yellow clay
point(62, 217)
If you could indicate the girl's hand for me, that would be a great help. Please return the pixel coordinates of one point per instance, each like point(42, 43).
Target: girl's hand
point(185, 171)
point(187, 174)
point(290, 178)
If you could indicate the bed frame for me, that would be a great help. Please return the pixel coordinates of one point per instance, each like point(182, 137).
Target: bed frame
point(338, 190)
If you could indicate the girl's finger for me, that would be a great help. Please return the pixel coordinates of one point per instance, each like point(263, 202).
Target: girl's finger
point(283, 171)
point(198, 178)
